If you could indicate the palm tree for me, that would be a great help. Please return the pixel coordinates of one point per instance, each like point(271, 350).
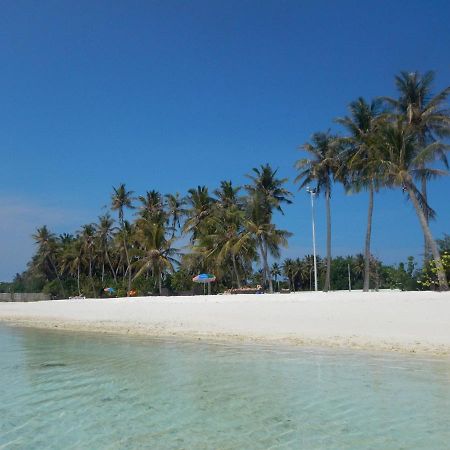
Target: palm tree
point(104, 231)
point(47, 251)
point(175, 210)
point(261, 231)
point(219, 239)
point(124, 240)
point(121, 199)
point(200, 204)
point(152, 206)
point(288, 268)
point(87, 237)
point(360, 162)
point(303, 271)
point(266, 193)
point(321, 169)
point(268, 189)
point(66, 239)
point(157, 251)
point(72, 259)
point(229, 215)
point(275, 271)
point(424, 113)
point(228, 195)
point(402, 162)
point(66, 244)
point(308, 267)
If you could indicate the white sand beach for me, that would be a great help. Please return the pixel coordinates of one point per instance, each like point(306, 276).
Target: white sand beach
point(398, 321)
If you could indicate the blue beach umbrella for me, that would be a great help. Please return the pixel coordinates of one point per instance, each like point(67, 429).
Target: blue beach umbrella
point(205, 278)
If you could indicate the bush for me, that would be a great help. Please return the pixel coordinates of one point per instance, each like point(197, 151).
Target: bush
point(428, 277)
point(144, 286)
point(180, 281)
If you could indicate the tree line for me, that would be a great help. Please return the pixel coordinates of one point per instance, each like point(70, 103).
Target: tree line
point(387, 143)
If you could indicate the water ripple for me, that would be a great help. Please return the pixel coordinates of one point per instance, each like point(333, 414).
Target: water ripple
point(62, 390)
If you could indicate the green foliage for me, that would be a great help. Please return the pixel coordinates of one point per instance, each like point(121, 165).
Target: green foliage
point(444, 243)
point(299, 276)
point(53, 288)
point(403, 277)
point(231, 230)
point(27, 282)
point(145, 285)
point(181, 280)
point(5, 287)
point(428, 278)
point(339, 274)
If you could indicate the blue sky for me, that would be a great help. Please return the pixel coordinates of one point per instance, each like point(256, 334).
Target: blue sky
point(167, 95)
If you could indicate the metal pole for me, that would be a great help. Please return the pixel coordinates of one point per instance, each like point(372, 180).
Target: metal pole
point(313, 193)
point(349, 279)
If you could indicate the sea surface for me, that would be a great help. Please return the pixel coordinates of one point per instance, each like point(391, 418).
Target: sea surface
point(63, 390)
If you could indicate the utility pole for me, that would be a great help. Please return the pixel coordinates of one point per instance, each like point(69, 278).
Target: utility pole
point(313, 192)
point(349, 279)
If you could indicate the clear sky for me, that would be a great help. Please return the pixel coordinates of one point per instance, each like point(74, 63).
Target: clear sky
point(168, 94)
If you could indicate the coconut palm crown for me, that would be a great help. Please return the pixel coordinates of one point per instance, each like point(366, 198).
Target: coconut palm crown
point(320, 170)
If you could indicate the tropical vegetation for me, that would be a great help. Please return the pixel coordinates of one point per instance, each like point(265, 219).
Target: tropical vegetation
point(156, 243)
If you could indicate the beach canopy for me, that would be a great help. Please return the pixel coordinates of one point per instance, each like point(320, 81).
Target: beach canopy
point(204, 278)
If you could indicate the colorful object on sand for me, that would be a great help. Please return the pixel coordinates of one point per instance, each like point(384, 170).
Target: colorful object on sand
point(206, 279)
point(132, 293)
point(110, 290)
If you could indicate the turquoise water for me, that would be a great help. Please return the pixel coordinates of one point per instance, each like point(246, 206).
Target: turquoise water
point(63, 390)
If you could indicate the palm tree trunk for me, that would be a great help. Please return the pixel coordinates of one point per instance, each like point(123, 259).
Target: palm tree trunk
point(103, 268)
point(119, 265)
point(129, 279)
point(442, 278)
point(78, 278)
point(122, 223)
point(366, 285)
point(423, 188)
point(108, 259)
point(266, 263)
point(91, 277)
point(236, 273)
point(426, 245)
point(173, 227)
point(327, 286)
point(128, 263)
point(57, 276)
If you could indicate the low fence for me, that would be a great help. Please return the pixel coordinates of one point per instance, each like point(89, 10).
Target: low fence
point(23, 297)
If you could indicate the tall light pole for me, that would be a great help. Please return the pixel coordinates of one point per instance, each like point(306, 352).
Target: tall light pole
point(313, 192)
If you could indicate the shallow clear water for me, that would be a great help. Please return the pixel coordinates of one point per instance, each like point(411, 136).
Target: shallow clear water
point(63, 390)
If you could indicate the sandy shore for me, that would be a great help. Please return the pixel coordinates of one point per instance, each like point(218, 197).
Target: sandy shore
point(399, 321)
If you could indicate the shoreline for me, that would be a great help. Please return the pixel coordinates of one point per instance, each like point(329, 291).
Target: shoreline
point(350, 344)
point(409, 322)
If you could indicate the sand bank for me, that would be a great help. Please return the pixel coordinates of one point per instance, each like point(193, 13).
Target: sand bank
point(398, 321)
